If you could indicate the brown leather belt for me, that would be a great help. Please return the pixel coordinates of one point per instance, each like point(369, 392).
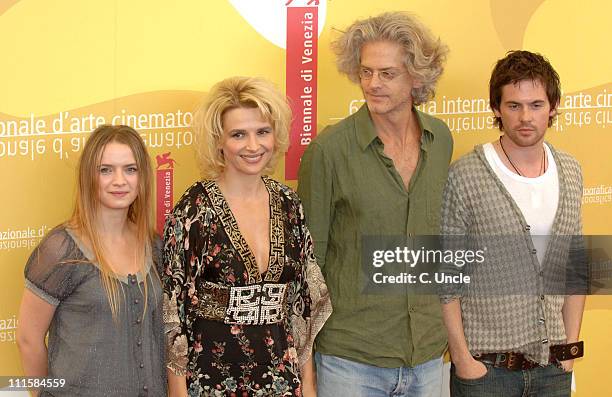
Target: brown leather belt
point(518, 361)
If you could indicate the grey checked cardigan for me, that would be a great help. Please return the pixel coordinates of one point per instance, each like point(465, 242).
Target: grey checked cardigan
point(477, 206)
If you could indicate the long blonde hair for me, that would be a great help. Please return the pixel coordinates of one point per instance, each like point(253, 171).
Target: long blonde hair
point(85, 216)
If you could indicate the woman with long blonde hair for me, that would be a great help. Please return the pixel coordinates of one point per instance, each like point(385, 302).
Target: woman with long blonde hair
point(92, 283)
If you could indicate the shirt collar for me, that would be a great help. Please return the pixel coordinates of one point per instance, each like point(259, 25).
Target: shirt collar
point(366, 133)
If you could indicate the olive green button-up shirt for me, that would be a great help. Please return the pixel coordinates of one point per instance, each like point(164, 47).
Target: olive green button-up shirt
point(351, 189)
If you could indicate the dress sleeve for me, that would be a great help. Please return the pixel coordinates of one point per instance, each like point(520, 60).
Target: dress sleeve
point(173, 281)
point(311, 305)
point(50, 270)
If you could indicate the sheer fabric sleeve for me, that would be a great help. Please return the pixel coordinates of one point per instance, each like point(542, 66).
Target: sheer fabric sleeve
point(157, 248)
point(51, 269)
point(173, 281)
point(312, 304)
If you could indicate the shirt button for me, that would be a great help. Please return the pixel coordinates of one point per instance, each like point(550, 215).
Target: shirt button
point(137, 321)
point(541, 321)
point(145, 388)
point(534, 251)
point(544, 341)
point(136, 301)
point(541, 297)
point(133, 280)
point(527, 227)
point(139, 343)
point(141, 365)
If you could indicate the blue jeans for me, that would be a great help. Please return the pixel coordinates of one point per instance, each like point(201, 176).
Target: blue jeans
point(549, 381)
point(341, 377)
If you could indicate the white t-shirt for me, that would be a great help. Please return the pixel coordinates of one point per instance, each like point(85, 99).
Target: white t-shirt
point(537, 197)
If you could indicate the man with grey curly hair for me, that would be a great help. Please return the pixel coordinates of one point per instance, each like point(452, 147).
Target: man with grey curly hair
point(379, 172)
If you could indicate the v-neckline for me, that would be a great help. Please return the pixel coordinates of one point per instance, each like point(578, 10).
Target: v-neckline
point(241, 235)
point(275, 229)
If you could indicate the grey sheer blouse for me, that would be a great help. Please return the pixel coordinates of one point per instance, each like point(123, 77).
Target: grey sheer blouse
point(94, 354)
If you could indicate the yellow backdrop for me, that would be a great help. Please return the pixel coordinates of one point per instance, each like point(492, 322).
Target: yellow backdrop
point(70, 65)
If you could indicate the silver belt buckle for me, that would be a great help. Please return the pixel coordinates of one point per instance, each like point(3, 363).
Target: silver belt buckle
point(257, 304)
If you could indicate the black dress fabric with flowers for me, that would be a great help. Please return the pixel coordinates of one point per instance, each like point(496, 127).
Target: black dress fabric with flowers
point(205, 253)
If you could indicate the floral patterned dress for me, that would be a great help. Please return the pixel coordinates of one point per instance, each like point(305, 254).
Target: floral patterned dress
point(230, 329)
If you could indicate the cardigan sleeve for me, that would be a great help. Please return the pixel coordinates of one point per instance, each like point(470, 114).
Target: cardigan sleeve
point(454, 223)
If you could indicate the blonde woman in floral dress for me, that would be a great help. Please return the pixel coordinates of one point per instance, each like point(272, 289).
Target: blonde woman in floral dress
point(243, 295)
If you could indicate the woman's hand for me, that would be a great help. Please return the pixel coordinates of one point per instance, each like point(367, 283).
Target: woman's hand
point(309, 379)
point(177, 385)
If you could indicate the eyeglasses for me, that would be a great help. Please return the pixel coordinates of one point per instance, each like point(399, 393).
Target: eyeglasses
point(383, 75)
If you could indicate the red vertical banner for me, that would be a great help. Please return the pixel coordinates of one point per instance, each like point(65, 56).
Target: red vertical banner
point(301, 83)
point(165, 188)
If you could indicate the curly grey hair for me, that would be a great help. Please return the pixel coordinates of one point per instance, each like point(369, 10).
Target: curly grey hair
point(425, 55)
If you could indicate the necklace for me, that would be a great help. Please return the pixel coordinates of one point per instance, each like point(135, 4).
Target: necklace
point(542, 163)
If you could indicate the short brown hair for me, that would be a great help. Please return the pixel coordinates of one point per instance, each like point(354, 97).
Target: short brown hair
point(521, 65)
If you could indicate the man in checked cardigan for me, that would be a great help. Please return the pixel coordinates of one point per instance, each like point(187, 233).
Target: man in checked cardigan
point(521, 198)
